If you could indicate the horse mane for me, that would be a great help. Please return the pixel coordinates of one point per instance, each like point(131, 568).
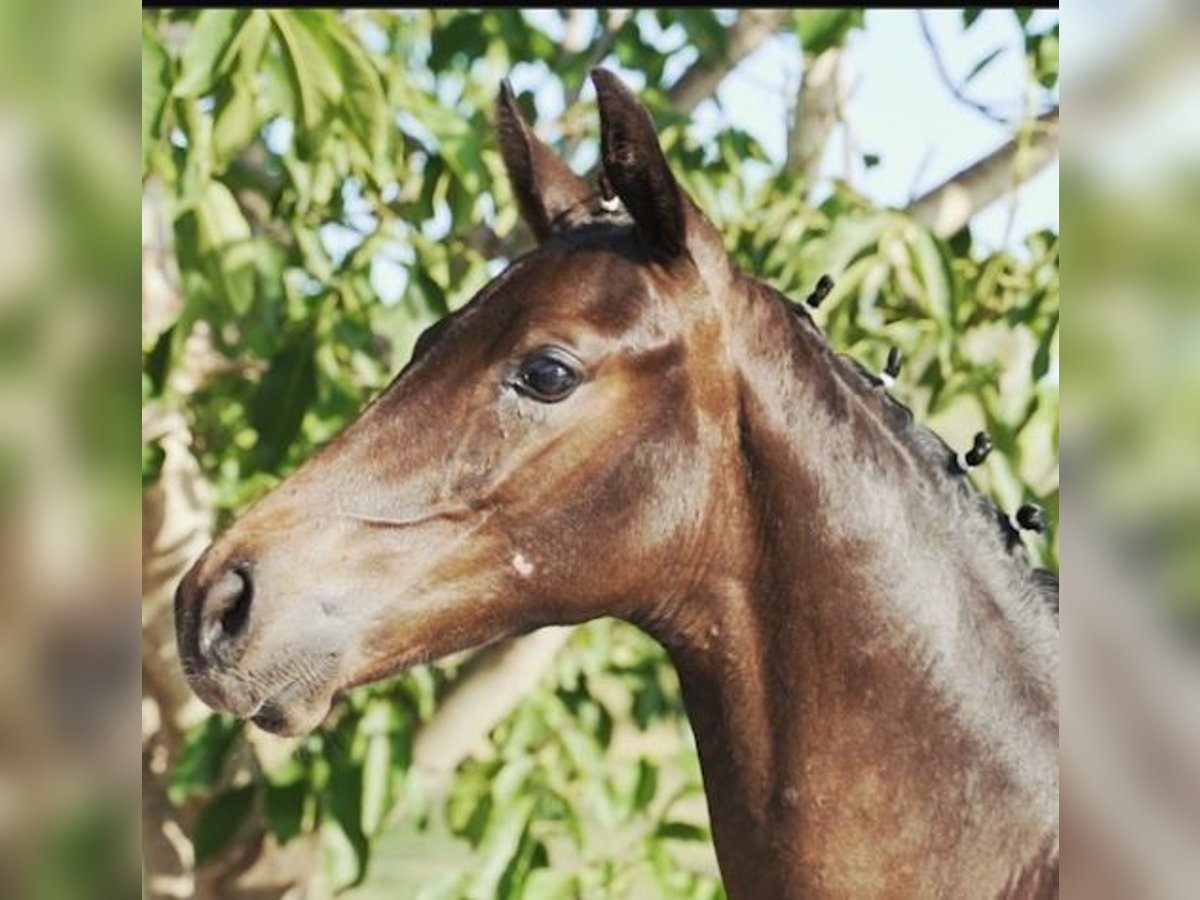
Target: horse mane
point(935, 458)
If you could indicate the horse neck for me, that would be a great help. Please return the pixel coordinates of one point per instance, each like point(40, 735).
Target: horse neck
point(853, 661)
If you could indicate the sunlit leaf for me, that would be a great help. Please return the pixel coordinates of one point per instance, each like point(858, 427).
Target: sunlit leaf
point(501, 844)
point(221, 220)
point(511, 779)
point(156, 87)
point(345, 858)
point(361, 99)
point(377, 766)
point(206, 55)
point(549, 884)
point(820, 29)
point(312, 76)
point(1043, 49)
point(236, 121)
point(937, 279)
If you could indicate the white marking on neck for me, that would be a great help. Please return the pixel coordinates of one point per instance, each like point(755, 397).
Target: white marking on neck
point(523, 566)
point(610, 204)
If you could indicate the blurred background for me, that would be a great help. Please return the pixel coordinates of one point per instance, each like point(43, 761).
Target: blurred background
point(69, 553)
point(1130, 680)
point(317, 187)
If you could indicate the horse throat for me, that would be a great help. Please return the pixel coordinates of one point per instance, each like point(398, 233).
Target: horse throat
point(875, 715)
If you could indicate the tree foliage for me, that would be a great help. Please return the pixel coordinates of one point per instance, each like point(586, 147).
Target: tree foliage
point(334, 187)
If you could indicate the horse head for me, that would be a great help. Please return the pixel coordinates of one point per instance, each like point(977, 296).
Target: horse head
point(549, 454)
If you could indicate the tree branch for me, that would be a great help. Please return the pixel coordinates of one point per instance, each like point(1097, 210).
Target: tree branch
point(752, 28)
point(948, 80)
point(817, 106)
point(610, 24)
point(949, 206)
point(494, 683)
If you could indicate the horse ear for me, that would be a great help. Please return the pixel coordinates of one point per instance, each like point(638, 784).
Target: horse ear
point(637, 169)
point(544, 185)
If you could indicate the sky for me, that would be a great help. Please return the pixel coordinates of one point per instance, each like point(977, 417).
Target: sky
point(898, 107)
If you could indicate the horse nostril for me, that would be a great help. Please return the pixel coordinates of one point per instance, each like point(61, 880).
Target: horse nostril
point(225, 612)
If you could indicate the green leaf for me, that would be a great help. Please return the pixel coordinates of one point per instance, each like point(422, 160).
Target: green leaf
point(512, 779)
point(227, 250)
point(377, 766)
point(551, 884)
point(221, 220)
point(851, 236)
point(252, 43)
point(1046, 59)
point(284, 396)
point(345, 839)
point(432, 298)
point(220, 821)
point(158, 363)
point(236, 120)
point(202, 757)
point(345, 857)
point(461, 39)
point(309, 69)
point(681, 831)
point(153, 457)
point(647, 784)
point(820, 29)
point(501, 845)
point(365, 105)
point(971, 15)
point(983, 64)
point(156, 87)
point(284, 808)
point(471, 818)
point(704, 30)
point(933, 270)
point(1041, 360)
point(208, 50)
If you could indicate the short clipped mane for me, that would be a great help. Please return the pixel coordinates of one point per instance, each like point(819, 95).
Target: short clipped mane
point(935, 458)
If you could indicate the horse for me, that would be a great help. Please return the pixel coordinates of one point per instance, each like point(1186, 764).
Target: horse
point(622, 423)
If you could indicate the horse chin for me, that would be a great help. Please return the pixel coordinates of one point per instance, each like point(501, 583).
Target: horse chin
point(292, 717)
point(296, 710)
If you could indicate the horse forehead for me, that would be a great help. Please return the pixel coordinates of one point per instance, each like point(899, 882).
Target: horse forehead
point(597, 286)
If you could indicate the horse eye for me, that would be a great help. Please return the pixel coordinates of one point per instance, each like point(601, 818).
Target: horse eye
point(547, 378)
